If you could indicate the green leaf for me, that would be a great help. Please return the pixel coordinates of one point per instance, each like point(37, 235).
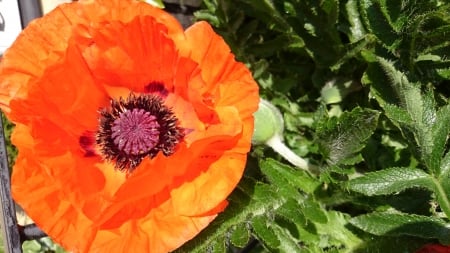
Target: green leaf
point(397, 114)
point(288, 242)
point(388, 244)
point(264, 233)
point(336, 231)
point(375, 16)
point(357, 30)
point(390, 181)
point(31, 246)
point(273, 46)
point(445, 165)
point(316, 25)
point(396, 224)
point(442, 185)
point(274, 236)
point(267, 11)
point(413, 111)
point(291, 210)
point(249, 203)
point(342, 138)
point(314, 212)
point(240, 235)
point(285, 176)
point(440, 132)
point(219, 246)
point(352, 50)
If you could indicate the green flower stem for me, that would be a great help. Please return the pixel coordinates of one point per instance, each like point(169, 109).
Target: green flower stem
point(442, 197)
point(278, 146)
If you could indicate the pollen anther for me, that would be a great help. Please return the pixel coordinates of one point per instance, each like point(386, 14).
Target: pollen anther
point(135, 128)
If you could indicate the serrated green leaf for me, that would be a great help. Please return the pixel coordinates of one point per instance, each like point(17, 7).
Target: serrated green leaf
point(266, 10)
point(442, 185)
point(388, 244)
point(288, 243)
point(390, 181)
point(240, 235)
point(395, 224)
point(265, 193)
point(397, 114)
point(250, 200)
point(430, 150)
point(440, 132)
point(285, 186)
point(337, 233)
point(445, 164)
point(421, 108)
point(342, 138)
point(380, 86)
point(291, 210)
point(313, 211)
point(407, 94)
point(352, 50)
point(375, 17)
point(442, 190)
point(264, 233)
point(219, 246)
point(205, 15)
point(428, 31)
point(288, 176)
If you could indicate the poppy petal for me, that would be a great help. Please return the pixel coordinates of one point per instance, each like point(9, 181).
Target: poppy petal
point(102, 51)
point(33, 52)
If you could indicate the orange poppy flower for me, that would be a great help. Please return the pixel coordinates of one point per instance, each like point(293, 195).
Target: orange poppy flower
point(131, 132)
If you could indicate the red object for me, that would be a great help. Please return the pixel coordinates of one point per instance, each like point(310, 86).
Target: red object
point(434, 248)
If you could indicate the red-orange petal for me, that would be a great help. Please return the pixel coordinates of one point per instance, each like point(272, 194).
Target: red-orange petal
point(109, 48)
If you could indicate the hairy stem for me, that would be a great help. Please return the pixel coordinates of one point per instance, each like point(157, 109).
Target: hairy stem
point(278, 146)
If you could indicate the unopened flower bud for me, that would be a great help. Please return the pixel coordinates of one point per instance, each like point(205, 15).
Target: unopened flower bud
point(268, 123)
point(269, 127)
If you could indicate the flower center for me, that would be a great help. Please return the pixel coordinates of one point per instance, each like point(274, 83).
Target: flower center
point(135, 128)
point(135, 132)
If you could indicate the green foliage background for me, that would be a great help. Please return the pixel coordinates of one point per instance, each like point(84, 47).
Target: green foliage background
point(363, 86)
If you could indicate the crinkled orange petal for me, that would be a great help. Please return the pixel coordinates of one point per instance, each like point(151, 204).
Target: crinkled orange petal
point(187, 164)
point(39, 184)
point(148, 58)
point(68, 94)
point(67, 65)
point(215, 58)
point(33, 52)
point(160, 230)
